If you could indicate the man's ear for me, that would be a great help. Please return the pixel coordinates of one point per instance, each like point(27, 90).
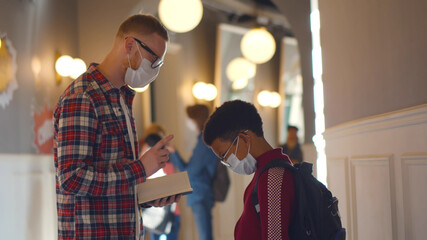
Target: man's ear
point(128, 44)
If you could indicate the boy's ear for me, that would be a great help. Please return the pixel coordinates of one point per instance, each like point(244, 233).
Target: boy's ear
point(244, 136)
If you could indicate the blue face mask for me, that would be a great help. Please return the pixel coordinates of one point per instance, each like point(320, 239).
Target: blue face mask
point(246, 166)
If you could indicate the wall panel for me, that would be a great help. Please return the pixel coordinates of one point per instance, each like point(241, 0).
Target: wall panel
point(372, 198)
point(414, 169)
point(381, 192)
point(28, 201)
point(337, 168)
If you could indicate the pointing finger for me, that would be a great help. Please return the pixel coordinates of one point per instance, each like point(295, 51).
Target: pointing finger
point(163, 142)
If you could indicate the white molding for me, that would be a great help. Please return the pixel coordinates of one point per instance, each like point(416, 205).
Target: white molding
point(405, 117)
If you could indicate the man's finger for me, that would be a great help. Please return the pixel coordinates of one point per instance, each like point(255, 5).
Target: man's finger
point(163, 142)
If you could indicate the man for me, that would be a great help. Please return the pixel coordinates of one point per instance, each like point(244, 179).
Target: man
point(95, 145)
point(234, 132)
point(292, 147)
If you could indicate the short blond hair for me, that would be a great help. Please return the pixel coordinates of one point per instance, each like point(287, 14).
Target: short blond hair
point(143, 24)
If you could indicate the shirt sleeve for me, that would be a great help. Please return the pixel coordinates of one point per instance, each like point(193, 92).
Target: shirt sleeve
point(201, 158)
point(276, 197)
point(75, 135)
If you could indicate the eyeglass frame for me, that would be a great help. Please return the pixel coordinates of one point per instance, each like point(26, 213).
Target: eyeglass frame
point(221, 159)
point(158, 59)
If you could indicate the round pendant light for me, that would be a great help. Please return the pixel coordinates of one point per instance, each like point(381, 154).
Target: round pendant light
point(258, 45)
point(180, 15)
point(240, 68)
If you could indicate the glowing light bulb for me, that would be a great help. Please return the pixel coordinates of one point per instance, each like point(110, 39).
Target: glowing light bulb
point(64, 65)
point(78, 67)
point(180, 16)
point(240, 68)
point(258, 45)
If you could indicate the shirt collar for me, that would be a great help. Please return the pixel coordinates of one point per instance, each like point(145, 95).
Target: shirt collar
point(107, 87)
point(264, 158)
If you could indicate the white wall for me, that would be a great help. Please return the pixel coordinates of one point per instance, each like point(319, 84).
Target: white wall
point(377, 168)
point(374, 56)
point(37, 29)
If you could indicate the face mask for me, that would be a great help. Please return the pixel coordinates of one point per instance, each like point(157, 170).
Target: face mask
point(142, 76)
point(246, 166)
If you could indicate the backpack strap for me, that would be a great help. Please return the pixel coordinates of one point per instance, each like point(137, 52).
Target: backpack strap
point(272, 164)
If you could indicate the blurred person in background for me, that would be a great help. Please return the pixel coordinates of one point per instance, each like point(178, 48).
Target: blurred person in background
point(201, 170)
point(292, 147)
point(155, 133)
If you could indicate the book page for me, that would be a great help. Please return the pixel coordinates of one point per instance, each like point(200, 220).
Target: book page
point(165, 186)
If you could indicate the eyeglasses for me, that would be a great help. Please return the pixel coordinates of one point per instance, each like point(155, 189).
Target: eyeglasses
point(158, 61)
point(222, 158)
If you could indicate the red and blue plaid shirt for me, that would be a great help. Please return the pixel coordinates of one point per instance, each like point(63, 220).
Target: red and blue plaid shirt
point(95, 169)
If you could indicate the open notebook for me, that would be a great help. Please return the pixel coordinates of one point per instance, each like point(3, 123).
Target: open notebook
point(165, 186)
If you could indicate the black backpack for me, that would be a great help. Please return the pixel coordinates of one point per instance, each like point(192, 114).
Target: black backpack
point(316, 215)
point(220, 182)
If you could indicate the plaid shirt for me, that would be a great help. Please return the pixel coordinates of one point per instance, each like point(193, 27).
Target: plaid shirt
point(95, 170)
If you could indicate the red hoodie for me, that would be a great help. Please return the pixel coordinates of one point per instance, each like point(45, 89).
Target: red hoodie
point(276, 196)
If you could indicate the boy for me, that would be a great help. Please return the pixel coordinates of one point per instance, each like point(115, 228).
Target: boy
point(234, 132)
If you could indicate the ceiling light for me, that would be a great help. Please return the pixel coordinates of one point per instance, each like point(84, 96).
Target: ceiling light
point(258, 45)
point(180, 16)
point(240, 84)
point(240, 68)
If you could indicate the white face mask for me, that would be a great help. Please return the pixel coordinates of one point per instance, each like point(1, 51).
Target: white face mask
point(142, 76)
point(246, 166)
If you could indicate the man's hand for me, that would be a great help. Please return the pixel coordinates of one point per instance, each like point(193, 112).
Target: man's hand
point(156, 157)
point(165, 201)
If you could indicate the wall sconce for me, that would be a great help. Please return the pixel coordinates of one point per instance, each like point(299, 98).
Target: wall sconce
point(36, 66)
point(67, 66)
point(269, 99)
point(180, 16)
point(204, 91)
point(258, 45)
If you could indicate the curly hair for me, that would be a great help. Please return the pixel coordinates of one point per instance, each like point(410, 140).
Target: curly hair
point(231, 118)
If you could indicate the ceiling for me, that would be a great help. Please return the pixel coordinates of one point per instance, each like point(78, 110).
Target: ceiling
point(251, 12)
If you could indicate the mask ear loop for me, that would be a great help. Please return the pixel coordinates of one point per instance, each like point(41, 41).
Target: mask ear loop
point(237, 145)
point(129, 61)
point(140, 54)
point(249, 148)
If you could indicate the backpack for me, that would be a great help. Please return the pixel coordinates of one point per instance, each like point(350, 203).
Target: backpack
point(220, 183)
point(316, 214)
